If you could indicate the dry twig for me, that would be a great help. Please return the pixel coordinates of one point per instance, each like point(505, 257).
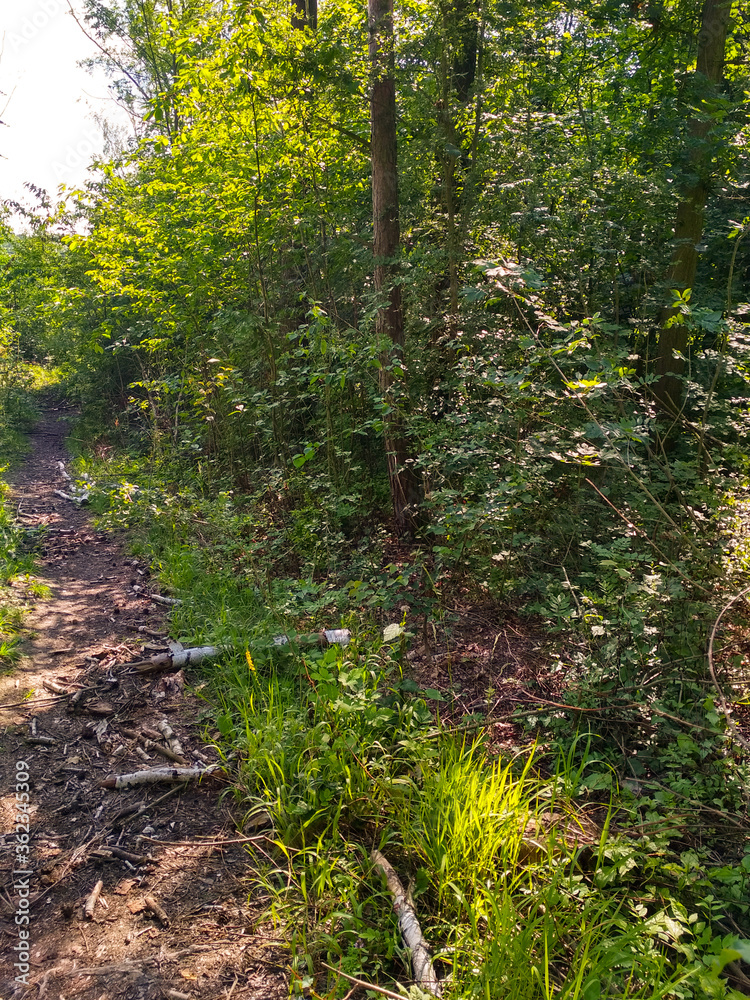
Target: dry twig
point(90, 904)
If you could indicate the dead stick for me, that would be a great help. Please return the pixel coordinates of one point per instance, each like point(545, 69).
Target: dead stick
point(135, 859)
point(164, 751)
point(411, 932)
point(133, 812)
point(90, 905)
point(362, 983)
point(204, 843)
point(153, 775)
point(55, 687)
point(157, 911)
point(28, 703)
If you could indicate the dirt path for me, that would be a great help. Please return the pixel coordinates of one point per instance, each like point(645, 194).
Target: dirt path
point(86, 631)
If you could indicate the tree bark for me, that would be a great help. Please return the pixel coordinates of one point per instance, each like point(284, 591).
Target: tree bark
point(688, 229)
point(461, 19)
point(411, 932)
point(305, 14)
point(389, 325)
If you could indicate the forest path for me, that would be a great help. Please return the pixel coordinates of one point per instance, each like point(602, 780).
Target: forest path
point(85, 631)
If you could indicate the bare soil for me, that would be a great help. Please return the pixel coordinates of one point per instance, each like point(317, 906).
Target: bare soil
point(187, 858)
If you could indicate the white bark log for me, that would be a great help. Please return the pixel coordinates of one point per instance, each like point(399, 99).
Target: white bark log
point(411, 932)
point(73, 499)
point(154, 775)
point(177, 660)
point(170, 601)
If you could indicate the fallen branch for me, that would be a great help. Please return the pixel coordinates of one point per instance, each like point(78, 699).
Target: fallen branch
point(203, 843)
point(90, 904)
point(129, 813)
point(157, 911)
point(55, 687)
point(73, 499)
point(411, 932)
point(328, 637)
point(164, 752)
point(168, 734)
point(29, 703)
point(118, 854)
point(112, 968)
point(169, 601)
point(368, 986)
point(170, 660)
point(149, 737)
point(152, 776)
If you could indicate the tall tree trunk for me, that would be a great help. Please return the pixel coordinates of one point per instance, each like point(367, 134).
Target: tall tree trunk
point(305, 14)
point(688, 229)
point(461, 19)
point(389, 326)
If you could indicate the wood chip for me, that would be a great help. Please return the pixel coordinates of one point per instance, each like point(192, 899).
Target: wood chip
point(124, 887)
point(100, 708)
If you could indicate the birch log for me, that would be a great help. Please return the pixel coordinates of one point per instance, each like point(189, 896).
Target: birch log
point(174, 659)
point(79, 499)
point(181, 658)
point(153, 775)
point(411, 932)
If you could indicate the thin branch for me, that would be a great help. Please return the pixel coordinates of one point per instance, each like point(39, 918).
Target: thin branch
point(367, 986)
point(731, 724)
point(650, 541)
point(108, 54)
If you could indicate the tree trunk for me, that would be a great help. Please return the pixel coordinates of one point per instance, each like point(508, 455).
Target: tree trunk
point(305, 14)
point(461, 18)
point(389, 325)
point(688, 229)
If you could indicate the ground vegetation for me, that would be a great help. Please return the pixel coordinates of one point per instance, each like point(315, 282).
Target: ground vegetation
point(399, 317)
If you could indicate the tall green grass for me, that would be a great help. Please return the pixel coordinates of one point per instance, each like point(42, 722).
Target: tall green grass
point(344, 757)
point(344, 754)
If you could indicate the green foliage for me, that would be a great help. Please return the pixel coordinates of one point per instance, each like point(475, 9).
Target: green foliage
point(215, 317)
point(339, 753)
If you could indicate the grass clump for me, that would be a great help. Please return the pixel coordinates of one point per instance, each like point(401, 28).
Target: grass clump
point(519, 891)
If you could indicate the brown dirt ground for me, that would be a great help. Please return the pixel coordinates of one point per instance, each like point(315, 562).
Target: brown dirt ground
point(188, 860)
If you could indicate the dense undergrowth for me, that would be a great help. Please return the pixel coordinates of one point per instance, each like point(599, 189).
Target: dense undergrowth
point(609, 858)
point(216, 302)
